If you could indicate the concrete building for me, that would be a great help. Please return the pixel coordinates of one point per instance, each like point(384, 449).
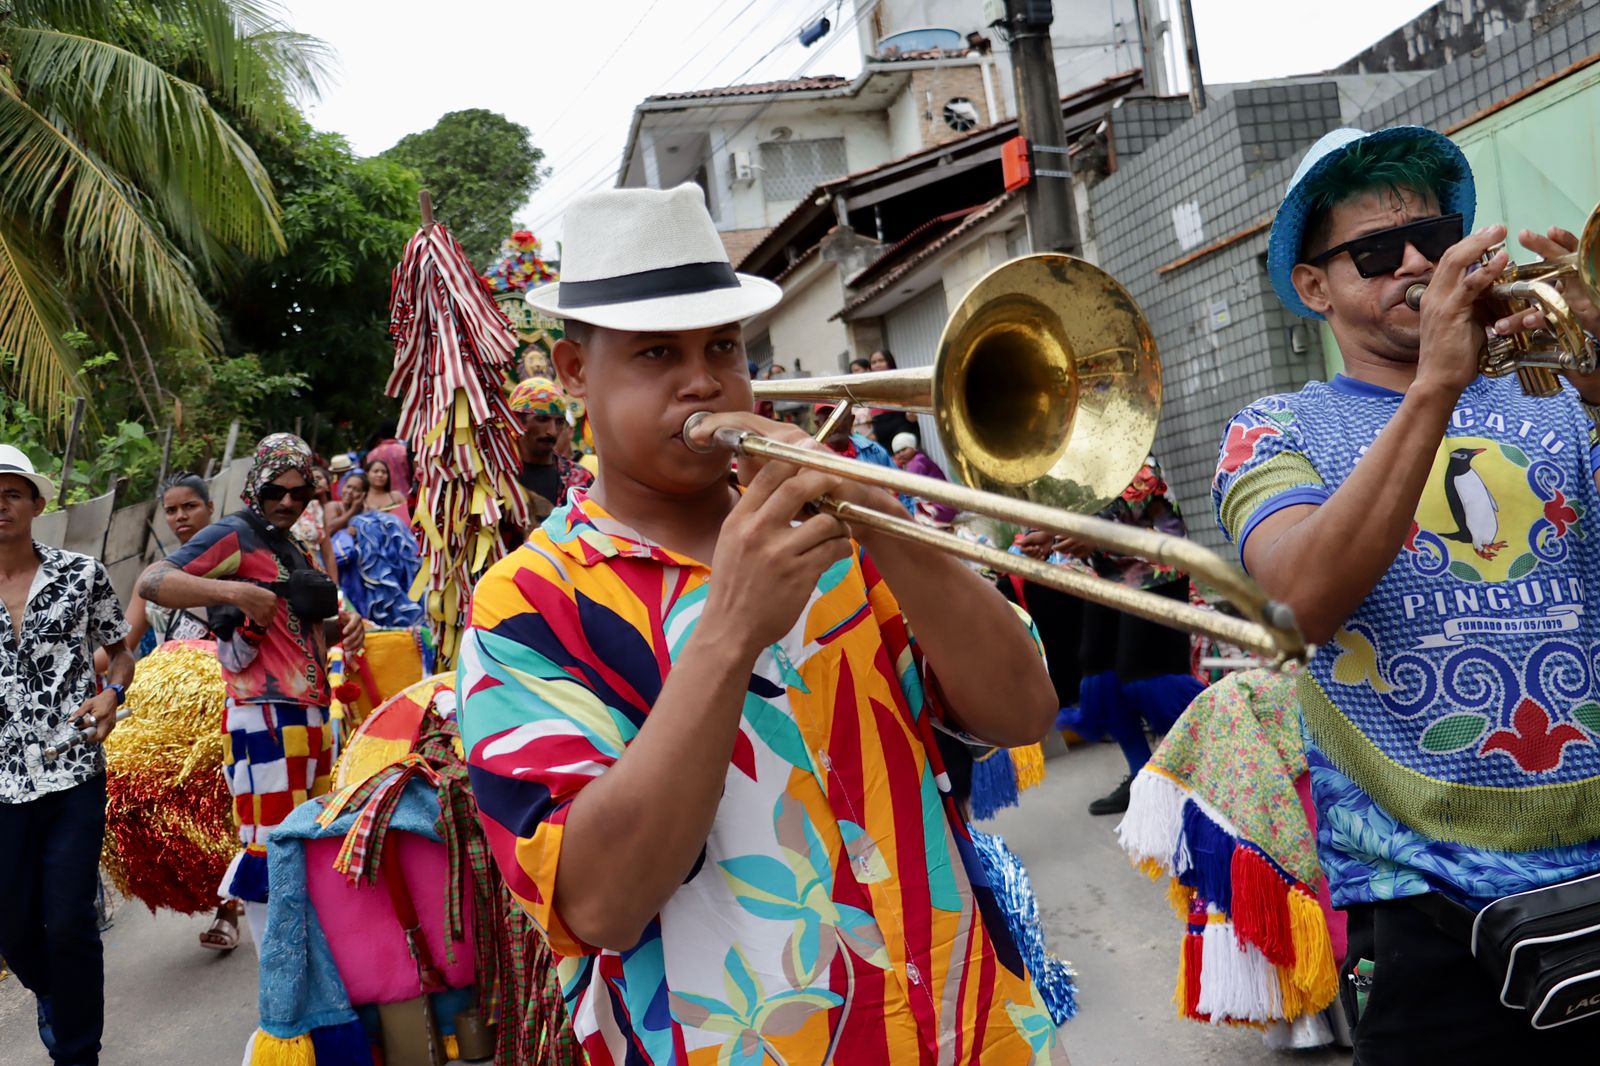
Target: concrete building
point(932, 73)
point(1184, 226)
point(1176, 205)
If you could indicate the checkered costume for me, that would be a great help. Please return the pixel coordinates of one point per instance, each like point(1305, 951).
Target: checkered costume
point(277, 756)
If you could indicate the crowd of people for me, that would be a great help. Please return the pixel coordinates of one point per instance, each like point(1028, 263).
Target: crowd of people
point(721, 744)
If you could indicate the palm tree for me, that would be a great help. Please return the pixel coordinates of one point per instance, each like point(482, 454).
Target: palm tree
point(125, 188)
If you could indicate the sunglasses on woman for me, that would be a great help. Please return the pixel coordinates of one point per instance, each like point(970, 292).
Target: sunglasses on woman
point(299, 494)
point(1376, 254)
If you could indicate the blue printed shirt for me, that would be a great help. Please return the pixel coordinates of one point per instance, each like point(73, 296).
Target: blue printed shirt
point(1453, 722)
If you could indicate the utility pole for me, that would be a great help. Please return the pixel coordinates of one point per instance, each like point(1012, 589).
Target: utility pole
point(1152, 47)
point(1052, 215)
point(1191, 56)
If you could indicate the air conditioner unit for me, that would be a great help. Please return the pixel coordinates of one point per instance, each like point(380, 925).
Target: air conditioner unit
point(740, 171)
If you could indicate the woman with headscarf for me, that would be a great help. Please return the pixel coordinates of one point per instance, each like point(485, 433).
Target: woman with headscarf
point(268, 605)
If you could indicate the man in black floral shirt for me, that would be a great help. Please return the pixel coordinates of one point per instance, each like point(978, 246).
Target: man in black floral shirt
point(55, 607)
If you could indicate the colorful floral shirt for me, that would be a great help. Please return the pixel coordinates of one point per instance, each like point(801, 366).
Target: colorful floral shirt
point(834, 915)
point(1453, 723)
point(290, 666)
point(1146, 503)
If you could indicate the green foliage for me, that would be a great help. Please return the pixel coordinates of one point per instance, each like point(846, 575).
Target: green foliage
point(216, 391)
point(127, 193)
point(129, 452)
point(480, 168)
point(322, 309)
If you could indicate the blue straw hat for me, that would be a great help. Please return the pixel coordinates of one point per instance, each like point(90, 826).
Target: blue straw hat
point(1289, 225)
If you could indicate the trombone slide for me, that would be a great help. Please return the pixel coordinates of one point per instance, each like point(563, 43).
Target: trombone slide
point(1269, 631)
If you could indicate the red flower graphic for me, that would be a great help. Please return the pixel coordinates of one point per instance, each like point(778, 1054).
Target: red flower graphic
point(1411, 538)
point(1240, 447)
point(1145, 484)
point(1559, 513)
point(1536, 741)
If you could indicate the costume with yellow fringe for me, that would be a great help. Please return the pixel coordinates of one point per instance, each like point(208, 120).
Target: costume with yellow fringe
point(1216, 811)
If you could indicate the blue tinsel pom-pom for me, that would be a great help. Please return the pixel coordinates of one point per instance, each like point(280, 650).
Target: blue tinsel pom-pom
point(994, 784)
point(1009, 878)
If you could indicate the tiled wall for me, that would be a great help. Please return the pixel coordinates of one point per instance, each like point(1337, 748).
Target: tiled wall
point(1225, 171)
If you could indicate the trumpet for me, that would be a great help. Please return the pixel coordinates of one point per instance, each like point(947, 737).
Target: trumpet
point(1563, 345)
point(1045, 389)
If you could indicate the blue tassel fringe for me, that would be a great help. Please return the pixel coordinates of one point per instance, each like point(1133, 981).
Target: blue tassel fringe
point(249, 879)
point(342, 1045)
point(1014, 892)
point(1211, 857)
point(994, 784)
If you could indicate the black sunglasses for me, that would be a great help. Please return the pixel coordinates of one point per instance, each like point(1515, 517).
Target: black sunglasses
point(299, 494)
point(1382, 252)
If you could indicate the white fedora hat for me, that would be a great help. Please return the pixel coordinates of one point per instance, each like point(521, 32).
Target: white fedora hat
point(13, 461)
point(648, 259)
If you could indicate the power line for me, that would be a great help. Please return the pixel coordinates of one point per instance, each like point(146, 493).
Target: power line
point(597, 179)
point(577, 98)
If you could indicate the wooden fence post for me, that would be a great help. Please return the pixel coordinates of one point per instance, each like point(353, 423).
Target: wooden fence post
point(78, 407)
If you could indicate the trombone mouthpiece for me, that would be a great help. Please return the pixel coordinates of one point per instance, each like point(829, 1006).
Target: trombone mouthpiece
point(1414, 295)
point(689, 426)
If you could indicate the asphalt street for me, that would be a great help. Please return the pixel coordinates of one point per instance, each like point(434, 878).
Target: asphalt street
point(170, 1003)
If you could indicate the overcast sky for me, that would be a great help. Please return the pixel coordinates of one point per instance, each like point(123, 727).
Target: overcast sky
point(572, 72)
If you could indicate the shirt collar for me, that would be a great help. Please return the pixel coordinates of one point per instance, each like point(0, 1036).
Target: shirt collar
point(585, 533)
point(1354, 387)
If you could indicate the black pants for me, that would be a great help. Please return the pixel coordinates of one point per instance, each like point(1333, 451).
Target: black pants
point(1430, 1001)
point(50, 858)
point(1134, 648)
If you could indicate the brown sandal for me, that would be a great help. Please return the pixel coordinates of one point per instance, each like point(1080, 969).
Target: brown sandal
point(224, 932)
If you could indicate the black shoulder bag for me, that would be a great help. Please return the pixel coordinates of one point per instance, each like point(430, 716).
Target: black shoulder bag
point(311, 594)
point(1541, 947)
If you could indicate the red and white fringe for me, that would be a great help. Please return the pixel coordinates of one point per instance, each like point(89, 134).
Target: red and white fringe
point(1269, 958)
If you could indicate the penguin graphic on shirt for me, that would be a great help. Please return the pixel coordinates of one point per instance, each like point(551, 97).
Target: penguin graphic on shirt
point(1476, 514)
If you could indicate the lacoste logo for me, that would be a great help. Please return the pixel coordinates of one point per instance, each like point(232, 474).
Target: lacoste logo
point(1589, 1002)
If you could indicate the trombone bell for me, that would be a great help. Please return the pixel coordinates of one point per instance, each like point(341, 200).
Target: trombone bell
point(1047, 384)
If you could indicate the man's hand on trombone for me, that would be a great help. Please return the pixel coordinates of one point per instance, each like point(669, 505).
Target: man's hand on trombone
point(988, 669)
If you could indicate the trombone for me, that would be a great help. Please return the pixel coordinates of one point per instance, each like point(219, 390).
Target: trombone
point(1564, 344)
point(1046, 389)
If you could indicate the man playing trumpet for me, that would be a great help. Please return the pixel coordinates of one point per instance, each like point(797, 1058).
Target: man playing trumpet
point(1433, 529)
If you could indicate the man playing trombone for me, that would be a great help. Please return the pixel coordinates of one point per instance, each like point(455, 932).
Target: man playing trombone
point(1433, 529)
point(716, 787)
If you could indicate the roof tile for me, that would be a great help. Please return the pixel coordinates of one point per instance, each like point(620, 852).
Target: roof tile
point(762, 88)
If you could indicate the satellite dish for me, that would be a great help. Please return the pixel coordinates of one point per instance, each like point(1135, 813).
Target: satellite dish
point(782, 133)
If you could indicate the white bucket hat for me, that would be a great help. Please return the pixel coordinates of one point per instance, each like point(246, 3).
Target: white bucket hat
point(649, 259)
point(14, 461)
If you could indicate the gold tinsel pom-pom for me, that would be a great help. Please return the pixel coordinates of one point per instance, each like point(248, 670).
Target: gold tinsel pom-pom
point(170, 832)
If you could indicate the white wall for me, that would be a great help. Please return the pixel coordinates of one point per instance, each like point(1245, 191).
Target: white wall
point(1093, 38)
point(866, 144)
point(905, 123)
point(963, 269)
point(801, 328)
